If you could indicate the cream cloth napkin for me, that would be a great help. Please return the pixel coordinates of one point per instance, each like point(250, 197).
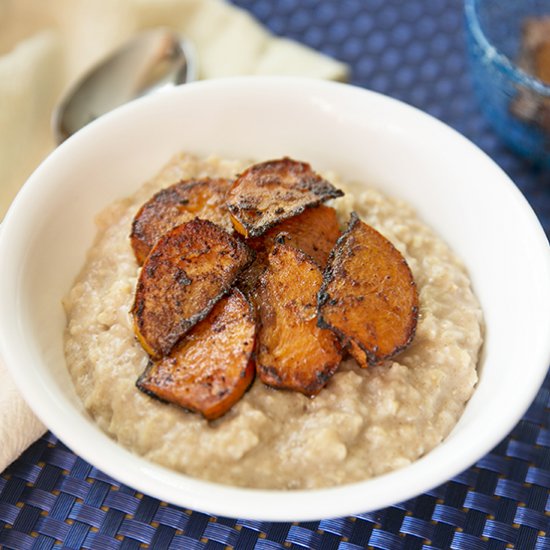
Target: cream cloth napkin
point(46, 45)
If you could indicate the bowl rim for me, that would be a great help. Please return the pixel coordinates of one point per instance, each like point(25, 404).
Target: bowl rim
point(266, 505)
point(500, 60)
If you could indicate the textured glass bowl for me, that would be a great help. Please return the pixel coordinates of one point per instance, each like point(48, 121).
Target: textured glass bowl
point(516, 103)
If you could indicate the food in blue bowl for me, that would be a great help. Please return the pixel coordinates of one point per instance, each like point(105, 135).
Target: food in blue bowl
point(509, 53)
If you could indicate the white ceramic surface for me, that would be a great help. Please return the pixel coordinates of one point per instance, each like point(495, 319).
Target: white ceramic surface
point(362, 136)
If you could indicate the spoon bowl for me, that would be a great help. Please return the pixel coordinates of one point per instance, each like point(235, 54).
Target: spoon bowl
point(151, 60)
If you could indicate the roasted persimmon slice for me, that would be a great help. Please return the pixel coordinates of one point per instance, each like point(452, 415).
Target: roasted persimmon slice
point(292, 351)
point(212, 367)
point(269, 192)
point(177, 204)
point(187, 272)
point(314, 231)
point(368, 297)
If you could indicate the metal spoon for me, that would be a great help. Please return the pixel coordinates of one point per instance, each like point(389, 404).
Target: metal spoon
point(151, 60)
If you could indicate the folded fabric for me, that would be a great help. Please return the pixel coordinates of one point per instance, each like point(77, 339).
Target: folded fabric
point(45, 46)
point(19, 427)
point(50, 44)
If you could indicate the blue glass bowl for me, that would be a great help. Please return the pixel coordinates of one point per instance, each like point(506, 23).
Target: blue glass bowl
point(516, 103)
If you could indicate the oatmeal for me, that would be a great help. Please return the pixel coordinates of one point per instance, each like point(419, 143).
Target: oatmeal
point(364, 423)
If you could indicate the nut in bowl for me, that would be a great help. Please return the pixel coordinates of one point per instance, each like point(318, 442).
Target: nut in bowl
point(377, 147)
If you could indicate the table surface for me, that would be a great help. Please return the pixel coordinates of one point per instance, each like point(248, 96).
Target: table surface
point(413, 51)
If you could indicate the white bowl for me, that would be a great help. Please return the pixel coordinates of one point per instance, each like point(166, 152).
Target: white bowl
point(360, 135)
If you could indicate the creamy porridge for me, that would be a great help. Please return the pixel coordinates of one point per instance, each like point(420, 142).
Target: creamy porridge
point(365, 422)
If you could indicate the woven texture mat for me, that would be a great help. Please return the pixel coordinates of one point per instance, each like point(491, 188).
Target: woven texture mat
point(413, 50)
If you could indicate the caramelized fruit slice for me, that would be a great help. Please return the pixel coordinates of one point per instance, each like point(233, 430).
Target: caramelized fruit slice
point(293, 352)
point(368, 297)
point(211, 368)
point(272, 191)
point(177, 204)
point(314, 231)
point(186, 273)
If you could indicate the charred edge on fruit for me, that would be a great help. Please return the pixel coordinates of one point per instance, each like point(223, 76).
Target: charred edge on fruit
point(163, 196)
point(313, 182)
point(322, 378)
point(175, 195)
point(187, 324)
point(323, 297)
point(328, 275)
point(142, 379)
point(258, 230)
point(271, 374)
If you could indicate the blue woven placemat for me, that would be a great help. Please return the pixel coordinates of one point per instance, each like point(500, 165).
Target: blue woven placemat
point(412, 50)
